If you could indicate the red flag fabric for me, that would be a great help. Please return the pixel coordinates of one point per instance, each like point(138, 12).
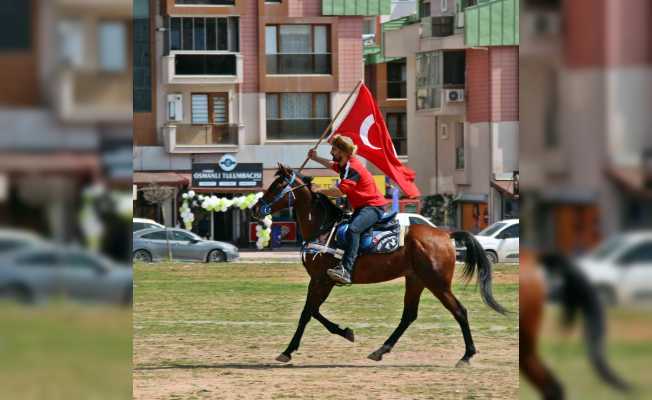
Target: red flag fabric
point(365, 125)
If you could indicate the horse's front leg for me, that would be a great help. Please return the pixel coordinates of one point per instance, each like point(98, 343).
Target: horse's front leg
point(318, 291)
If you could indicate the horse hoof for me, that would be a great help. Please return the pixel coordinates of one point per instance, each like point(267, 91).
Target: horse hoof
point(348, 335)
point(376, 356)
point(283, 358)
point(462, 363)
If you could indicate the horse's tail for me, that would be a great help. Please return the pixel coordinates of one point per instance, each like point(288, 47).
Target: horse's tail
point(476, 258)
point(577, 293)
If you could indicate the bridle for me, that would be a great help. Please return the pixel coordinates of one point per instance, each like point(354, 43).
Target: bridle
point(266, 207)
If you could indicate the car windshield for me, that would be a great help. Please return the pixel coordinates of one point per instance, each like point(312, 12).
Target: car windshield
point(492, 229)
point(607, 248)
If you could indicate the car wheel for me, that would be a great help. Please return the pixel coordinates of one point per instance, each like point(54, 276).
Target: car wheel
point(216, 256)
point(17, 293)
point(493, 257)
point(607, 295)
point(142, 256)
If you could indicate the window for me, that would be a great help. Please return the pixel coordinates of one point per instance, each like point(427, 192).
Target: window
point(510, 233)
point(71, 40)
point(112, 46)
point(298, 49)
point(204, 34)
point(210, 108)
point(396, 80)
point(142, 79)
point(459, 145)
point(160, 235)
point(437, 70)
point(417, 221)
point(181, 236)
point(16, 25)
point(424, 8)
point(641, 254)
point(397, 126)
point(297, 115)
point(80, 261)
point(48, 259)
point(444, 5)
point(206, 2)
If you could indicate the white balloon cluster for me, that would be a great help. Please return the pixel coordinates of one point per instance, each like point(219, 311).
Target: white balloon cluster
point(264, 233)
point(221, 204)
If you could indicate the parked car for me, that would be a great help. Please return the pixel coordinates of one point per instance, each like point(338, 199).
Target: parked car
point(407, 219)
point(14, 239)
point(37, 273)
point(156, 244)
point(621, 268)
point(143, 223)
point(500, 241)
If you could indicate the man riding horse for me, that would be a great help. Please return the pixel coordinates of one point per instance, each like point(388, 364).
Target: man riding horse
point(357, 183)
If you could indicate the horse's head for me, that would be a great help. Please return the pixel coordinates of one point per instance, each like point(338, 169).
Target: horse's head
point(280, 194)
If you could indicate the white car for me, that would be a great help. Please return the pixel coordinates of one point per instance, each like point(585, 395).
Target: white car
point(407, 219)
point(621, 268)
point(143, 223)
point(499, 240)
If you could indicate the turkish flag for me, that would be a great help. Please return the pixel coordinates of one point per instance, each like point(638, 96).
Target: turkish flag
point(365, 124)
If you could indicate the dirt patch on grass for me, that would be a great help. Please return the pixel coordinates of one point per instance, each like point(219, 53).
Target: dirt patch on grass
point(200, 333)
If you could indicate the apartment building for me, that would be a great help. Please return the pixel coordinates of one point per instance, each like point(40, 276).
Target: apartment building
point(256, 81)
point(586, 156)
point(65, 103)
point(462, 104)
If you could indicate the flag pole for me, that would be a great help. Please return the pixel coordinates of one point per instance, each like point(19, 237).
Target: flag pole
point(323, 135)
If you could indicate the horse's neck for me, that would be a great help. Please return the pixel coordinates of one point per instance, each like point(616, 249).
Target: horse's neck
point(309, 217)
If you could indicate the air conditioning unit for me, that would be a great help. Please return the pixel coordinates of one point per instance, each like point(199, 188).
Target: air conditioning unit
point(175, 107)
point(460, 20)
point(454, 95)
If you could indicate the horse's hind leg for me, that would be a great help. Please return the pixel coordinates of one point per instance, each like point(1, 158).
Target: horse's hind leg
point(333, 328)
point(413, 289)
point(318, 291)
point(456, 308)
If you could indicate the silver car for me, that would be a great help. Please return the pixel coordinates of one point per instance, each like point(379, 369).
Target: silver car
point(34, 274)
point(161, 244)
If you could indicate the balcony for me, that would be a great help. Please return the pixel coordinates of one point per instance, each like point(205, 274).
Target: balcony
point(202, 68)
point(91, 96)
point(299, 64)
point(184, 138)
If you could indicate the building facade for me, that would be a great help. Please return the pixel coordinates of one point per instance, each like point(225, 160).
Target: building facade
point(586, 155)
point(462, 105)
point(257, 80)
point(65, 104)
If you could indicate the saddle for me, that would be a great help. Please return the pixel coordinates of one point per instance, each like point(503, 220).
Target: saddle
point(385, 236)
point(382, 237)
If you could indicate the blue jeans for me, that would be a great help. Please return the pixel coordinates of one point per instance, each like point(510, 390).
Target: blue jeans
point(363, 219)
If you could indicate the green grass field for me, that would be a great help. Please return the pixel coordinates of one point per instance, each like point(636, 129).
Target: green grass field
point(205, 329)
point(629, 351)
point(65, 351)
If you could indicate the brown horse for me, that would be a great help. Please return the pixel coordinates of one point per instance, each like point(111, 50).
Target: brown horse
point(427, 260)
point(575, 294)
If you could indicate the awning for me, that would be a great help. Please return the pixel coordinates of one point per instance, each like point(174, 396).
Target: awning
point(47, 162)
point(505, 187)
point(472, 198)
point(161, 178)
point(630, 179)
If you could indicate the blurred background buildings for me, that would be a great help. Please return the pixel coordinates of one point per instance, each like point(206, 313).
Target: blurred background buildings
point(65, 107)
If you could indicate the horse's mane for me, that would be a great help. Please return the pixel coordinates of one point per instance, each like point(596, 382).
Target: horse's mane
point(332, 213)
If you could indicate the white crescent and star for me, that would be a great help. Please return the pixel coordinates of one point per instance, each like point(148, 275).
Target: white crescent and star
point(364, 131)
